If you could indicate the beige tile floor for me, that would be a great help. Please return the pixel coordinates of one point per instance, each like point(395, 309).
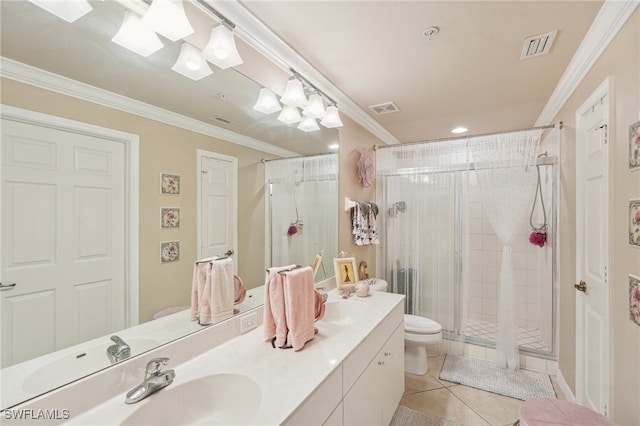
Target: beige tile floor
point(461, 404)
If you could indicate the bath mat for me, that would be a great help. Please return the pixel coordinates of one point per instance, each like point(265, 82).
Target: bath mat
point(485, 375)
point(407, 417)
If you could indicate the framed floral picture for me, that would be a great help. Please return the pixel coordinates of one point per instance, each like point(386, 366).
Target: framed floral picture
point(634, 298)
point(346, 272)
point(634, 146)
point(169, 251)
point(634, 222)
point(169, 217)
point(169, 184)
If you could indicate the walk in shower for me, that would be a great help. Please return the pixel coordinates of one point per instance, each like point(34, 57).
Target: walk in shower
point(439, 247)
point(302, 211)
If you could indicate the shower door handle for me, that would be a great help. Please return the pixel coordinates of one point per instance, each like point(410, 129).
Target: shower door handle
point(582, 286)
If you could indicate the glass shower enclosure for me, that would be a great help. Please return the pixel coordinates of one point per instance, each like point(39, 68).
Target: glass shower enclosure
point(438, 248)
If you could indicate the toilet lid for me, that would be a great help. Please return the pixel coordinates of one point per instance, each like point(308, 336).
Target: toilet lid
point(421, 325)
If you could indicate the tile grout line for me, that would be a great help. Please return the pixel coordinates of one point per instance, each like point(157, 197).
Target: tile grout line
point(467, 405)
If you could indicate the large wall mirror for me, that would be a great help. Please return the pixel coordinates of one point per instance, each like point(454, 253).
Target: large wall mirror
point(73, 71)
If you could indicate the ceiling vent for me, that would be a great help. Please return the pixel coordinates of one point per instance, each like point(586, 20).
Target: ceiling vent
point(538, 45)
point(386, 108)
point(221, 120)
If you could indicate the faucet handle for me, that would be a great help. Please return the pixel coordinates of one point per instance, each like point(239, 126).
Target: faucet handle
point(153, 366)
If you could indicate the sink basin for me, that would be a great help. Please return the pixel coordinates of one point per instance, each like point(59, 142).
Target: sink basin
point(218, 399)
point(78, 364)
point(344, 312)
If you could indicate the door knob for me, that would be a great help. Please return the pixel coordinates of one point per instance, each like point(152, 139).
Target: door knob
point(7, 286)
point(582, 286)
point(228, 253)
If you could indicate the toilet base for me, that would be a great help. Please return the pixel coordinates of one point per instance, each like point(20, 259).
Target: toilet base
point(415, 359)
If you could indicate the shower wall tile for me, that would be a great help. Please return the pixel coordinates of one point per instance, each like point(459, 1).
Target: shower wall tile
point(489, 242)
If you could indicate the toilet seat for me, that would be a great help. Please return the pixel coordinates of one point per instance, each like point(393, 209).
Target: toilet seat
point(420, 325)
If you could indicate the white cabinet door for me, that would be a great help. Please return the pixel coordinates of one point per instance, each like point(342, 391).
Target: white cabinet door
point(374, 397)
point(391, 360)
point(362, 403)
point(335, 419)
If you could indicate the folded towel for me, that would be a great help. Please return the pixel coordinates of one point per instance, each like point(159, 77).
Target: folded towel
point(212, 291)
point(274, 319)
point(239, 290)
point(300, 306)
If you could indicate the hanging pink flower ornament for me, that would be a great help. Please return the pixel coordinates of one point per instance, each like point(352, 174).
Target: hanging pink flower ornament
point(293, 229)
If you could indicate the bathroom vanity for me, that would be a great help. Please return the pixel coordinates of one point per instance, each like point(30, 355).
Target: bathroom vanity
point(351, 373)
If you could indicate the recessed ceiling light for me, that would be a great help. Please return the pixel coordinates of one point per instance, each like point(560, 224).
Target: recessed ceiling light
point(459, 129)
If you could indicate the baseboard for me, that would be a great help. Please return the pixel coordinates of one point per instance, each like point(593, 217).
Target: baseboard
point(566, 390)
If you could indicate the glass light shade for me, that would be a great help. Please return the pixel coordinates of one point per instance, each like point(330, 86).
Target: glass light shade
point(315, 107)
point(308, 124)
point(191, 64)
point(167, 18)
point(267, 102)
point(136, 36)
point(294, 94)
point(290, 115)
point(69, 10)
point(221, 49)
point(331, 118)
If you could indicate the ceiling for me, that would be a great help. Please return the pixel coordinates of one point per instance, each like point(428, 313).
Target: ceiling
point(469, 74)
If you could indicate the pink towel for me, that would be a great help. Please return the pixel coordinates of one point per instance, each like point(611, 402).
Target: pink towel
point(212, 291)
point(319, 306)
point(300, 306)
point(240, 292)
point(274, 322)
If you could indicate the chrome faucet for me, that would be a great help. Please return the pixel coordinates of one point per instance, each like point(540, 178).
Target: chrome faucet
point(154, 380)
point(119, 351)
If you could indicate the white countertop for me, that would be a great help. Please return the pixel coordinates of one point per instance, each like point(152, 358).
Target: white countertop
point(286, 378)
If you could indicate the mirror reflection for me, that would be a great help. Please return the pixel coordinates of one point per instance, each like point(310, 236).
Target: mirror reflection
point(169, 118)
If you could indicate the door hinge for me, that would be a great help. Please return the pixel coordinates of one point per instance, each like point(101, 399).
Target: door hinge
point(604, 274)
point(606, 410)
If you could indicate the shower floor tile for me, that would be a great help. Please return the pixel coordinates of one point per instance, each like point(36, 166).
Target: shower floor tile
point(486, 330)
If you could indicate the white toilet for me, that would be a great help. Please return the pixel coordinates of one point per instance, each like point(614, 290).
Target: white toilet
point(419, 332)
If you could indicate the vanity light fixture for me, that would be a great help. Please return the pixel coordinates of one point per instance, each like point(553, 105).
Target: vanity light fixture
point(459, 130)
point(267, 102)
point(221, 49)
point(191, 63)
point(331, 118)
point(315, 107)
point(334, 146)
point(308, 124)
point(70, 10)
point(136, 36)
point(290, 115)
point(293, 95)
point(167, 18)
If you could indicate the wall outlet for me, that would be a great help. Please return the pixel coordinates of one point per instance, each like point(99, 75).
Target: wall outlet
point(248, 322)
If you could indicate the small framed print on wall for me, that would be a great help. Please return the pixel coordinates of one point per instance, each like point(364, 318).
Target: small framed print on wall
point(169, 217)
point(634, 146)
point(169, 183)
point(169, 251)
point(634, 222)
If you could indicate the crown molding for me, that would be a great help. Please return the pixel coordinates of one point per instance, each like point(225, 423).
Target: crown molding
point(45, 80)
point(261, 38)
point(612, 16)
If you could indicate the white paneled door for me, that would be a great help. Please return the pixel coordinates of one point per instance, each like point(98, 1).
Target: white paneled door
point(218, 223)
point(63, 239)
point(592, 252)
